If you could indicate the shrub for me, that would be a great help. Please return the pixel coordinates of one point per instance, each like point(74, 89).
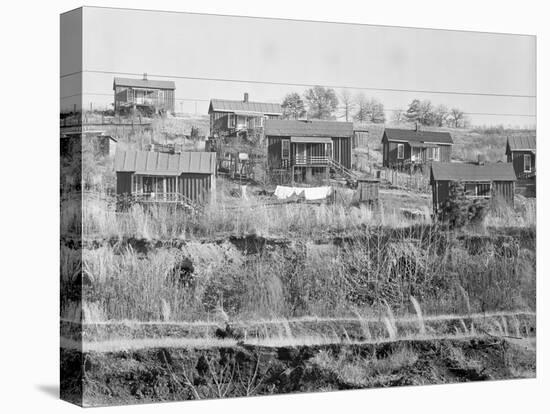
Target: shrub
point(459, 210)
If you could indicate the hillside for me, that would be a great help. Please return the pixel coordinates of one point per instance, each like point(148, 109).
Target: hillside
point(468, 143)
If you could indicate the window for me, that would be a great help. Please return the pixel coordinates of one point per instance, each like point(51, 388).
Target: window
point(400, 151)
point(416, 154)
point(527, 163)
point(285, 149)
point(231, 121)
point(435, 154)
point(477, 189)
point(242, 121)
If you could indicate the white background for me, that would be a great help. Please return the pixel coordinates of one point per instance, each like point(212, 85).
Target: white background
point(29, 204)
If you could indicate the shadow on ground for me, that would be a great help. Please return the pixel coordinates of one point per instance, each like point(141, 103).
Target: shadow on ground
point(52, 390)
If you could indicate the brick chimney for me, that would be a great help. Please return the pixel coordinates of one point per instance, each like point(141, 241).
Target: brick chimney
point(245, 97)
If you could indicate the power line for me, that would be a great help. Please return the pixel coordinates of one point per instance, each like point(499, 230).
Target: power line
point(385, 110)
point(105, 72)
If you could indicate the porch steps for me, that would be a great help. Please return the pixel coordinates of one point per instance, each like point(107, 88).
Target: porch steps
point(346, 173)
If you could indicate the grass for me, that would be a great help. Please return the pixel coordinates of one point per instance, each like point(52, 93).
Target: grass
point(371, 270)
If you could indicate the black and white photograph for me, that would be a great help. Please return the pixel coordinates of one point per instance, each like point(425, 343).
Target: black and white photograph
point(274, 208)
point(319, 224)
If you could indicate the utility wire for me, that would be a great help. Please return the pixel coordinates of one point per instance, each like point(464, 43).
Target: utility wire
point(105, 72)
point(385, 110)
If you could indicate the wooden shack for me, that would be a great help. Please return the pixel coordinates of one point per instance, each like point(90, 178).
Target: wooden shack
point(146, 95)
point(480, 181)
point(229, 118)
point(156, 177)
point(367, 190)
point(309, 148)
point(415, 148)
point(521, 151)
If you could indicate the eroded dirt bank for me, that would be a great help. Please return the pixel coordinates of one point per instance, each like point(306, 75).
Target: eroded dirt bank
point(170, 374)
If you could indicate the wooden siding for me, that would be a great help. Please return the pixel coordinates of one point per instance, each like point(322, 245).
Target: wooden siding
point(516, 158)
point(389, 152)
point(505, 190)
point(196, 187)
point(440, 193)
point(124, 96)
point(501, 189)
point(368, 190)
point(218, 122)
point(341, 150)
point(274, 152)
point(445, 153)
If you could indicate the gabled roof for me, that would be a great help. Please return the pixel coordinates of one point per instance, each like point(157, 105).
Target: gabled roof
point(158, 163)
point(144, 83)
point(261, 108)
point(411, 135)
point(292, 128)
point(521, 143)
point(453, 171)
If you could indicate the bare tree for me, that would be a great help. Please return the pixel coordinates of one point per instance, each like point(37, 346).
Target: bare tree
point(441, 112)
point(378, 115)
point(369, 110)
point(348, 103)
point(457, 117)
point(398, 116)
point(426, 113)
point(363, 108)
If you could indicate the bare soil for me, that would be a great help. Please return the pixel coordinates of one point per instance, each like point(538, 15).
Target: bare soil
point(173, 374)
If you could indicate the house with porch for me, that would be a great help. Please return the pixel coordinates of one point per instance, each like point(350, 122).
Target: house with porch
point(187, 178)
point(309, 150)
point(480, 180)
point(414, 148)
point(146, 95)
point(229, 118)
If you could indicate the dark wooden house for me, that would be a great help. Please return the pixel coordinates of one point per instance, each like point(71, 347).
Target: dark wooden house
point(480, 181)
point(402, 148)
point(228, 118)
point(520, 151)
point(146, 95)
point(309, 148)
point(156, 177)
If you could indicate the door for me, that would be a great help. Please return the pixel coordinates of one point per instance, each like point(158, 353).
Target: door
point(300, 153)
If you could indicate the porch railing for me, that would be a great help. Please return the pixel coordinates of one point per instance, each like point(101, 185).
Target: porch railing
point(311, 160)
point(173, 198)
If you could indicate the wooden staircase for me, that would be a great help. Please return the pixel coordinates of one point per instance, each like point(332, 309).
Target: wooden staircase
point(344, 172)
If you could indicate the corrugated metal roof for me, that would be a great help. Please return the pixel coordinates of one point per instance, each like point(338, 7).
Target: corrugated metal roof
point(314, 140)
point(522, 143)
point(158, 163)
point(411, 135)
point(452, 171)
point(144, 83)
point(292, 128)
point(224, 105)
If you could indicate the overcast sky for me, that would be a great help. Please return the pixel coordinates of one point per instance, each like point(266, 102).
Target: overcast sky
point(241, 54)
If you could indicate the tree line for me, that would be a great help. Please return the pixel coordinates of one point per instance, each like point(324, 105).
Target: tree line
point(319, 102)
